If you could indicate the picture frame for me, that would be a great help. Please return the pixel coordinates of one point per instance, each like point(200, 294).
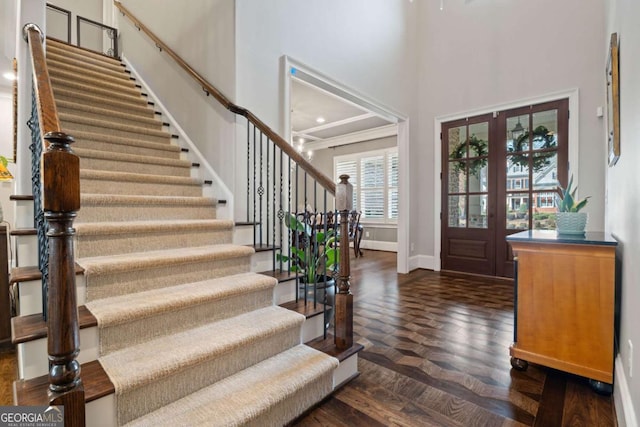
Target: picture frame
point(613, 101)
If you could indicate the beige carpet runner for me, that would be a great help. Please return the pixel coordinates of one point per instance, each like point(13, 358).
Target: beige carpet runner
point(188, 336)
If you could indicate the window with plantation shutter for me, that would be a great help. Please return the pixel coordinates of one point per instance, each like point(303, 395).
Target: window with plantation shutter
point(374, 176)
point(348, 167)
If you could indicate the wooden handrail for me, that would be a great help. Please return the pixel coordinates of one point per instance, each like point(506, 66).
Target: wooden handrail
point(60, 174)
point(320, 177)
point(47, 111)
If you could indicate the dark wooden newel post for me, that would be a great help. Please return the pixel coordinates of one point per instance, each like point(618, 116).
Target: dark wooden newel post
point(61, 202)
point(344, 298)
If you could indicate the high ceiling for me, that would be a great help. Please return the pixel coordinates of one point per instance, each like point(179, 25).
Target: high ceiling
point(310, 105)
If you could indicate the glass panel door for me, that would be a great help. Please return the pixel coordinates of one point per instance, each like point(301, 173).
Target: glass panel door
point(534, 152)
point(467, 240)
point(500, 173)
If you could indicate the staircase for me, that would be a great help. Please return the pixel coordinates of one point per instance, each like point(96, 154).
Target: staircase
point(176, 329)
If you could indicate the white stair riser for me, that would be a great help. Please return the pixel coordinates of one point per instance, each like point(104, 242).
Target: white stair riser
point(312, 328)
point(102, 412)
point(30, 295)
point(347, 369)
point(284, 292)
point(24, 214)
point(26, 250)
point(262, 261)
point(32, 356)
point(243, 235)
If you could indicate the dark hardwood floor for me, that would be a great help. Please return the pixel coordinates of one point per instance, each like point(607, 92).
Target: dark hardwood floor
point(436, 354)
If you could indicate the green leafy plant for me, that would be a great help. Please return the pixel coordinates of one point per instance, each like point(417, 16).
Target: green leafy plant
point(313, 252)
point(566, 198)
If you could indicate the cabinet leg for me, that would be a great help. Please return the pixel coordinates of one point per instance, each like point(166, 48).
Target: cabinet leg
point(519, 364)
point(601, 387)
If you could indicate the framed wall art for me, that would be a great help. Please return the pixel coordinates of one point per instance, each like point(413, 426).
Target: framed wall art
point(613, 102)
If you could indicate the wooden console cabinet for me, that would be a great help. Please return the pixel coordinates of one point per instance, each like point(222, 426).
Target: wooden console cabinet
point(564, 303)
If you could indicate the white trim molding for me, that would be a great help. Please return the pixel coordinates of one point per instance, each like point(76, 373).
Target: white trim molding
point(425, 262)
point(574, 138)
point(352, 138)
point(378, 245)
point(220, 191)
point(309, 75)
point(625, 413)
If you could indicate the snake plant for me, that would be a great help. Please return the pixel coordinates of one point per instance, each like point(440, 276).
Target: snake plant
point(566, 198)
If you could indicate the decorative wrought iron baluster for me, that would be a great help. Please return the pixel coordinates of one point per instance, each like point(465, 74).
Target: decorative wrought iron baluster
point(281, 210)
point(40, 222)
point(255, 225)
point(248, 167)
point(273, 206)
point(260, 190)
point(267, 171)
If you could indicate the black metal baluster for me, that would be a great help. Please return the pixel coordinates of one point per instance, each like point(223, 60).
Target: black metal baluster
point(273, 206)
point(255, 224)
point(260, 192)
point(266, 191)
point(248, 167)
point(40, 222)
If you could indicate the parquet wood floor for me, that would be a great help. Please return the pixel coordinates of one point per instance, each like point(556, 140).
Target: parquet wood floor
point(437, 354)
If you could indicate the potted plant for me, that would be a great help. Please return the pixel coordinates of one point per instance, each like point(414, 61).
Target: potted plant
point(569, 219)
point(313, 255)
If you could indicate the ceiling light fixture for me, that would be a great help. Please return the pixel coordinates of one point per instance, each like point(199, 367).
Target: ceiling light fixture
point(320, 120)
point(9, 75)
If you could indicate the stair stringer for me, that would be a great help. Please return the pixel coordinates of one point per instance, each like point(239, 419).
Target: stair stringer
point(219, 190)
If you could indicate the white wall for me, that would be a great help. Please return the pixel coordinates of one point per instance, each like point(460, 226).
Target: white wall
point(201, 32)
point(368, 46)
point(475, 54)
point(90, 9)
point(6, 150)
point(623, 202)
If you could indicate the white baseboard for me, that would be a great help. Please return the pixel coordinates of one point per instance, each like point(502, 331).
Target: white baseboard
point(377, 245)
point(625, 411)
point(421, 261)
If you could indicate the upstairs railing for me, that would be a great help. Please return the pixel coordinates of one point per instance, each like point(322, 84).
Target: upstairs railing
point(56, 191)
point(281, 184)
point(90, 34)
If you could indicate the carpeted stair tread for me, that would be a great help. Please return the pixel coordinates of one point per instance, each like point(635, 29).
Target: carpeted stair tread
point(124, 183)
point(146, 116)
point(291, 381)
point(152, 259)
point(135, 318)
point(137, 177)
point(150, 375)
point(56, 61)
point(77, 61)
point(125, 207)
point(130, 158)
point(70, 51)
point(106, 81)
point(108, 125)
point(122, 227)
point(166, 145)
point(121, 309)
point(110, 238)
point(71, 48)
point(132, 96)
point(135, 105)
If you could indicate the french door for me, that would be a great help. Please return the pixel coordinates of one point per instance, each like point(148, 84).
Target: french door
point(499, 175)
